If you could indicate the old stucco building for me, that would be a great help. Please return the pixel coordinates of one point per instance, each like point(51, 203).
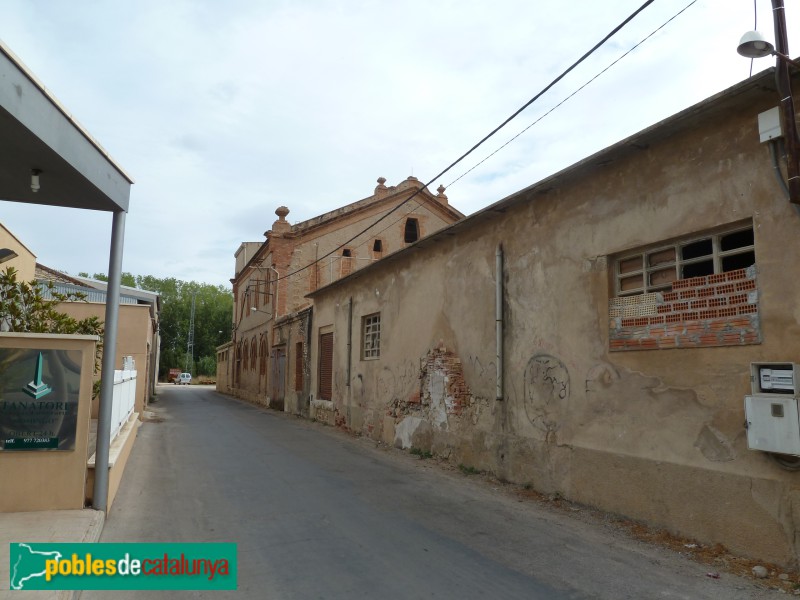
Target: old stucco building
point(635, 290)
point(266, 362)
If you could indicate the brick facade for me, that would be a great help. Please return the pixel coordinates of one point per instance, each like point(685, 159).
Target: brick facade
point(713, 310)
point(274, 277)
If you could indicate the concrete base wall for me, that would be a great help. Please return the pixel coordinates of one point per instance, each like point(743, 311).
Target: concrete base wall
point(119, 453)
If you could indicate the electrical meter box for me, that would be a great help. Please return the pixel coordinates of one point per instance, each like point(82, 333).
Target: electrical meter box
point(772, 412)
point(774, 378)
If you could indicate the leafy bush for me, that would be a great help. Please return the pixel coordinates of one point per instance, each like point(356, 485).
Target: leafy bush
point(24, 309)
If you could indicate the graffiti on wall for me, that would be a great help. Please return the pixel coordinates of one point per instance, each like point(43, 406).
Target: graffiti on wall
point(397, 381)
point(546, 386)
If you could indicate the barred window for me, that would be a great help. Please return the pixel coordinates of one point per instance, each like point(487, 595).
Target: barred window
point(371, 338)
point(656, 270)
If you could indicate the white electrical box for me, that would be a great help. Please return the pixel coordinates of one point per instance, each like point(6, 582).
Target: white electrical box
point(773, 423)
point(769, 125)
point(775, 378)
point(772, 412)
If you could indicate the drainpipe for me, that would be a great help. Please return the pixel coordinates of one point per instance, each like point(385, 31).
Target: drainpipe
point(277, 283)
point(307, 362)
point(498, 319)
point(349, 338)
point(773, 153)
point(783, 81)
point(100, 499)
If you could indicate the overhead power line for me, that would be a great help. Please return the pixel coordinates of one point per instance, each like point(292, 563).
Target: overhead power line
point(642, 41)
point(477, 145)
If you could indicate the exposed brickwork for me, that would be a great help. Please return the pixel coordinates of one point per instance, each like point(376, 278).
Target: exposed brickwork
point(714, 310)
point(457, 393)
point(442, 364)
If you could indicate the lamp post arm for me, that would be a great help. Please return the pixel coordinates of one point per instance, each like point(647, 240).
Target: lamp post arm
point(792, 62)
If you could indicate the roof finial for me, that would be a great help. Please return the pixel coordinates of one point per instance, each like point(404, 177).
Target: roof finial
point(281, 226)
point(381, 188)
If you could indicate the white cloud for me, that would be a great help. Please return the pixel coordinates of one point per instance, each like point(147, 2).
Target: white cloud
point(224, 111)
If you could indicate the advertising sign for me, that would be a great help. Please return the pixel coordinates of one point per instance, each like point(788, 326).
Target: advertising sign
point(39, 393)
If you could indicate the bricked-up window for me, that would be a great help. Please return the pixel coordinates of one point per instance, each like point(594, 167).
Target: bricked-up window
point(347, 262)
point(698, 292)
point(371, 339)
point(655, 270)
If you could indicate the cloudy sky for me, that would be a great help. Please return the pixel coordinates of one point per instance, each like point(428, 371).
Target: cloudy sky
point(223, 111)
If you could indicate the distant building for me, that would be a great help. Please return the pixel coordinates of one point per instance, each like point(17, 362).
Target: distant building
point(13, 253)
point(138, 326)
point(266, 362)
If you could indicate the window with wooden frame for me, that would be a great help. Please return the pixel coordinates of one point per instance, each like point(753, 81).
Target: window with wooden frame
point(325, 367)
point(655, 270)
point(253, 353)
point(371, 336)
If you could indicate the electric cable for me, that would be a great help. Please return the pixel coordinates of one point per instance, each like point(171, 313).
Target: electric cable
point(481, 142)
point(575, 92)
point(642, 41)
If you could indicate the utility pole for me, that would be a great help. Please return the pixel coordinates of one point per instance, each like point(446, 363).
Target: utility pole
point(787, 102)
point(190, 342)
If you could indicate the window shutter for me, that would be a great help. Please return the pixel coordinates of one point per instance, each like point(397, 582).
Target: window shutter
point(326, 366)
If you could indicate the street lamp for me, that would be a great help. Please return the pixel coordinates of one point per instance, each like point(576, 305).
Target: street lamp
point(754, 45)
point(254, 309)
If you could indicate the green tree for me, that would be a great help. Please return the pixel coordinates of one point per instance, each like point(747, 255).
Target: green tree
point(24, 308)
point(212, 320)
point(126, 278)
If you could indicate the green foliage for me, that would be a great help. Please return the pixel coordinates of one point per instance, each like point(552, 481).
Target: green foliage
point(212, 320)
point(24, 308)
point(469, 470)
point(207, 366)
point(423, 454)
point(126, 279)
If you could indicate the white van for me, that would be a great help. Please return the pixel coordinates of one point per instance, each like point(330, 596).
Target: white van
point(183, 379)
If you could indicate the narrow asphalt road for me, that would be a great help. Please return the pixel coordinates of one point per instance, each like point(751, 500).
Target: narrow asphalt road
point(318, 514)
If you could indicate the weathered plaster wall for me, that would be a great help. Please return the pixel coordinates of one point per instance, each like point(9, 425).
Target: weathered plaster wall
point(653, 434)
point(224, 364)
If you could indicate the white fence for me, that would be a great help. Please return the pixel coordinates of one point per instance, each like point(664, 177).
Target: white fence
point(124, 399)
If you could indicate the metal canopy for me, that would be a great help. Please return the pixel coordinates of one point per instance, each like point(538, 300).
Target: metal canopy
point(38, 133)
